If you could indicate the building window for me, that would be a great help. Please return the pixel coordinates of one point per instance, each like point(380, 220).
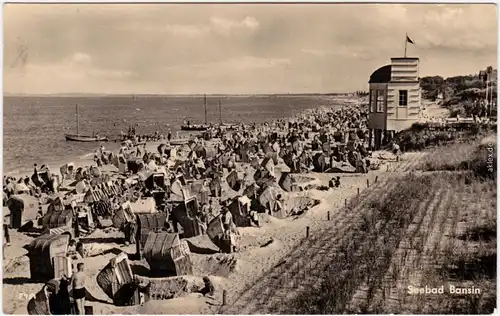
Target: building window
point(403, 97)
point(373, 100)
point(380, 100)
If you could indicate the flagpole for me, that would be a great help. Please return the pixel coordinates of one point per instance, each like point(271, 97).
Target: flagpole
point(406, 43)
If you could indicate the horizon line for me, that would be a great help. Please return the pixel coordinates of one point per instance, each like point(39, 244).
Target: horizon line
point(6, 94)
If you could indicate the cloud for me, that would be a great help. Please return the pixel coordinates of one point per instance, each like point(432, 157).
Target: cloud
point(238, 48)
point(315, 52)
point(214, 25)
point(340, 51)
point(69, 75)
point(226, 26)
point(235, 65)
point(82, 59)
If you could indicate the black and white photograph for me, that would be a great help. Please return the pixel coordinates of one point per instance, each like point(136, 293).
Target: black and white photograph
point(249, 158)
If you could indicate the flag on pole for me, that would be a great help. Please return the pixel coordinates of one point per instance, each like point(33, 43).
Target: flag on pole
point(409, 40)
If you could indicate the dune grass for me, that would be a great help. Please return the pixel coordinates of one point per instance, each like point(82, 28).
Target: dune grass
point(366, 255)
point(461, 250)
point(474, 156)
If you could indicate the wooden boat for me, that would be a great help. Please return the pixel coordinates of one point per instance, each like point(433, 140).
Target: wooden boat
point(83, 138)
point(178, 142)
point(197, 127)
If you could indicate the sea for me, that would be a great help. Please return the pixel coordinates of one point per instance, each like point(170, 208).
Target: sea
point(34, 126)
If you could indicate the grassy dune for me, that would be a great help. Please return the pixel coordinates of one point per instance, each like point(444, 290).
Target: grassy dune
point(433, 229)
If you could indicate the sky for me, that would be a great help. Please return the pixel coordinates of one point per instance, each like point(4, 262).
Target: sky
point(235, 48)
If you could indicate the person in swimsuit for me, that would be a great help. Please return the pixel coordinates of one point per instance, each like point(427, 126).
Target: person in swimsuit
point(78, 283)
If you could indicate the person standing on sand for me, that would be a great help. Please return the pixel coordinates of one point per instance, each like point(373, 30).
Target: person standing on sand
point(278, 206)
point(78, 283)
point(6, 235)
point(63, 298)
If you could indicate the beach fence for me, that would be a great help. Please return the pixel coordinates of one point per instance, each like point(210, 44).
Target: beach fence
point(314, 251)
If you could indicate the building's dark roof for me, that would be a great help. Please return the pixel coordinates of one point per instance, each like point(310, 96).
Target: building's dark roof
point(381, 75)
point(405, 58)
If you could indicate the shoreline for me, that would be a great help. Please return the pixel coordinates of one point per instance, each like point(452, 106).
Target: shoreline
point(87, 159)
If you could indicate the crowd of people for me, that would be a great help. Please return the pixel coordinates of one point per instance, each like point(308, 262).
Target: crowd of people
point(316, 140)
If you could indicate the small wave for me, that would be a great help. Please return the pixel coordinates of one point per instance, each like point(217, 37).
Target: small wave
point(87, 156)
point(13, 172)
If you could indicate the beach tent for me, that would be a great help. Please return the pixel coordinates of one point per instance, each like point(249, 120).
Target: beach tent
point(233, 181)
point(144, 206)
point(102, 208)
point(286, 182)
point(45, 301)
point(199, 189)
point(155, 178)
point(144, 175)
point(244, 153)
point(95, 171)
point(185, 215)
point(163, 149)
point(123, 215)
point(251, 191)
point(319, 162)
point(82, 187)
point(215, 187)
point(41, 253)
point(120, 162)
point(352, 157)
point(67, 171)
point(55, 202)
point(23, 208)
point(210, 153)
point(56, 219)
point(20, 188)
point(296, 146)
point(225, 160)
point(327, 148)
point(135, 165)
point(200, 151)
point(79, 173)
point(91, 196)
point(262, 177)
point(361, 164)
point(268, 164)
point(117, 281)
point(215, 231)
point(269, 196)
point(167, 254)
point(152, 166)
point(240, 210)
point(341, 167)
point(147, 223)
point(289, 162)
point(133, 180)
point(273, 155)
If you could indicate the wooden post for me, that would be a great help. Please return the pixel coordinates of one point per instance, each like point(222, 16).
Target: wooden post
point(358, 192)
point(387, 168)
point(328, 215)
point(224, 297)
point(367, 183)
point(376, 179)
point(307, 231)
point(345, 202)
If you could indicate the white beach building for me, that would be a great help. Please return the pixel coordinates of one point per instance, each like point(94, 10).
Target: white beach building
point(395, 99)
